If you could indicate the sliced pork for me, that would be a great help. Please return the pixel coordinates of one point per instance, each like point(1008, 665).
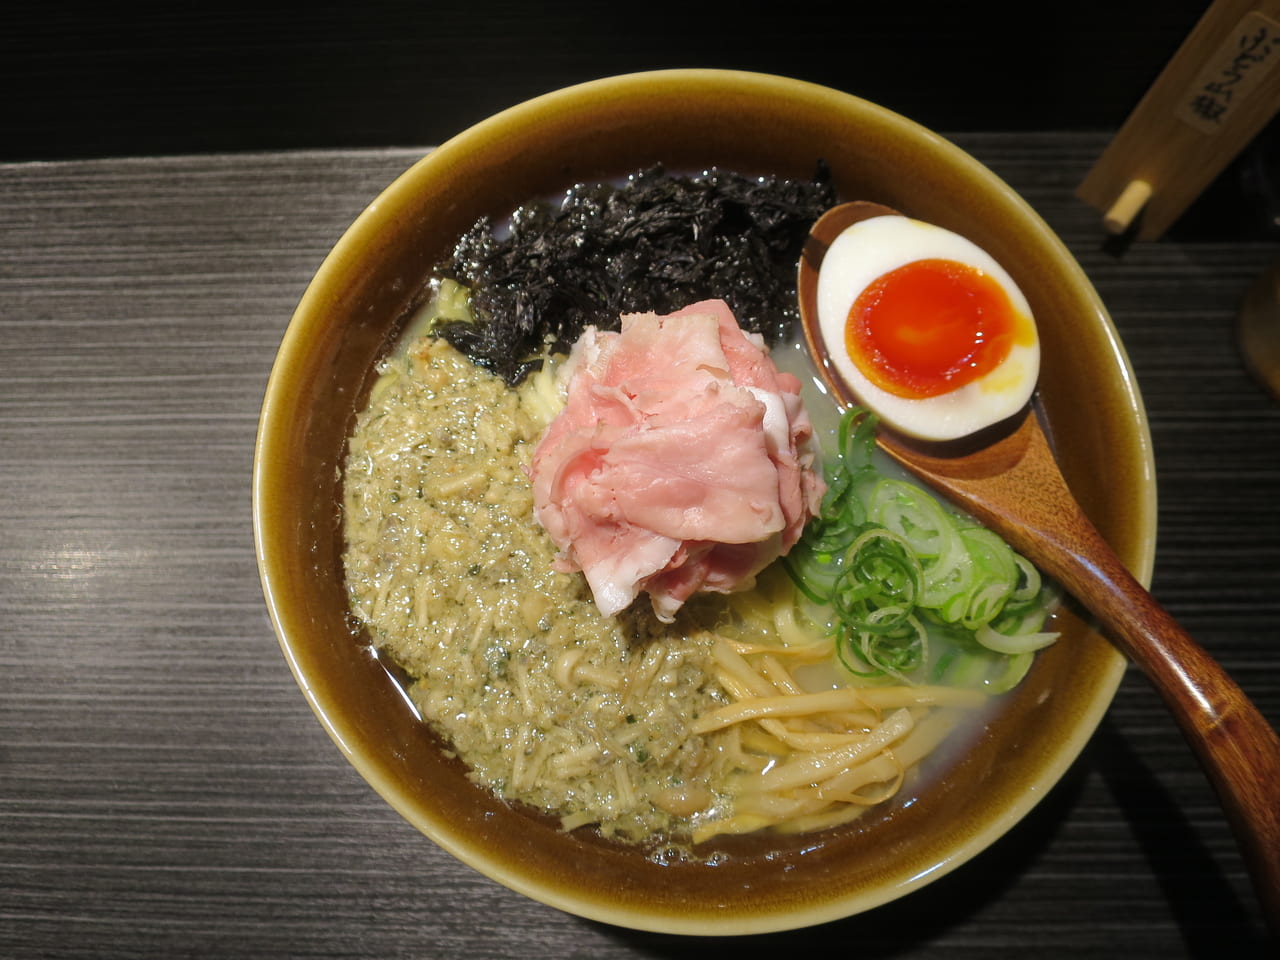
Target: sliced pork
point(681, 460)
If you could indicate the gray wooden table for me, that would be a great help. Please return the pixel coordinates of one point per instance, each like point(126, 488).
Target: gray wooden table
point(164, 788)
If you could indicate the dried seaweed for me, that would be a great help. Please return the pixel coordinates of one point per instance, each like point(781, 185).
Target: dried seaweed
point(658, 242)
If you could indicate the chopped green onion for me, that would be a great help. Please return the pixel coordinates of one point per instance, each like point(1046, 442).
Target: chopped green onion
point(911, 585)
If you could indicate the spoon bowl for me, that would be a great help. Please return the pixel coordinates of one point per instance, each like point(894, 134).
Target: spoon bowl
point(1007, 477)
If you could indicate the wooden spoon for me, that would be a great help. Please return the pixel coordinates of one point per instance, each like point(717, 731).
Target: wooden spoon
point(1011, 482)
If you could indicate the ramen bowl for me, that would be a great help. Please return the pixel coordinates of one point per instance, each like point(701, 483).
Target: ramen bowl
point(685, 120)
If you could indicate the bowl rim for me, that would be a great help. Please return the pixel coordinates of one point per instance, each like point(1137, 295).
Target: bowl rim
point(377, 214)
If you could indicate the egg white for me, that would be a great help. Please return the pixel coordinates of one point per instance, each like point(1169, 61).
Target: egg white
point(873, 247)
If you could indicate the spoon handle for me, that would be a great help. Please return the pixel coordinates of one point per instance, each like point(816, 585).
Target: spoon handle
point(1236, 746)
point(1015, 487)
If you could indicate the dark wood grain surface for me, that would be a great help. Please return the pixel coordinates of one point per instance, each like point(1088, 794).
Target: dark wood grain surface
point(164, 788)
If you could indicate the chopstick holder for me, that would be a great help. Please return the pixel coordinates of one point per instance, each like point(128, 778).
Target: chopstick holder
point(1220, 88)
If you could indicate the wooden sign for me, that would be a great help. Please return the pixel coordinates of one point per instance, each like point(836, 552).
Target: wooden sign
point(1221, 87)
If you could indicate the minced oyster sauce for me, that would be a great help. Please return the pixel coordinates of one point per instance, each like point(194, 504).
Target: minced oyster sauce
point(547, 702)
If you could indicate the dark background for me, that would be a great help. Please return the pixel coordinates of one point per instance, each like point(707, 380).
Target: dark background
point(83, 79)
point(100, 79)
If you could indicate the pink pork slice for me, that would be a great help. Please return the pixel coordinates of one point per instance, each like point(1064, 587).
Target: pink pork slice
point(681, 461)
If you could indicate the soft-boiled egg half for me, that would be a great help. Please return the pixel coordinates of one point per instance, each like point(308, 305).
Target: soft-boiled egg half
point(926, 328)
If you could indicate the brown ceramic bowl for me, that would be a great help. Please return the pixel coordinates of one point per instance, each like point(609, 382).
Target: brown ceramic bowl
point(688, 119)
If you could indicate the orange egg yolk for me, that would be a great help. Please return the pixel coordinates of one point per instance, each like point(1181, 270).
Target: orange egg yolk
point(930, 327)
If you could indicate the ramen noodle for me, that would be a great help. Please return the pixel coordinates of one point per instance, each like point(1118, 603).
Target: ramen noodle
point(730, 719)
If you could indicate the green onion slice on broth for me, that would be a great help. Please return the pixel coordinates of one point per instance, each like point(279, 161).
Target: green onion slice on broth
point(911, 589)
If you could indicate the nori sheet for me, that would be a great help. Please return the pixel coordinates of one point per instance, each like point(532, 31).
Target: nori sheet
point(658, 242)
